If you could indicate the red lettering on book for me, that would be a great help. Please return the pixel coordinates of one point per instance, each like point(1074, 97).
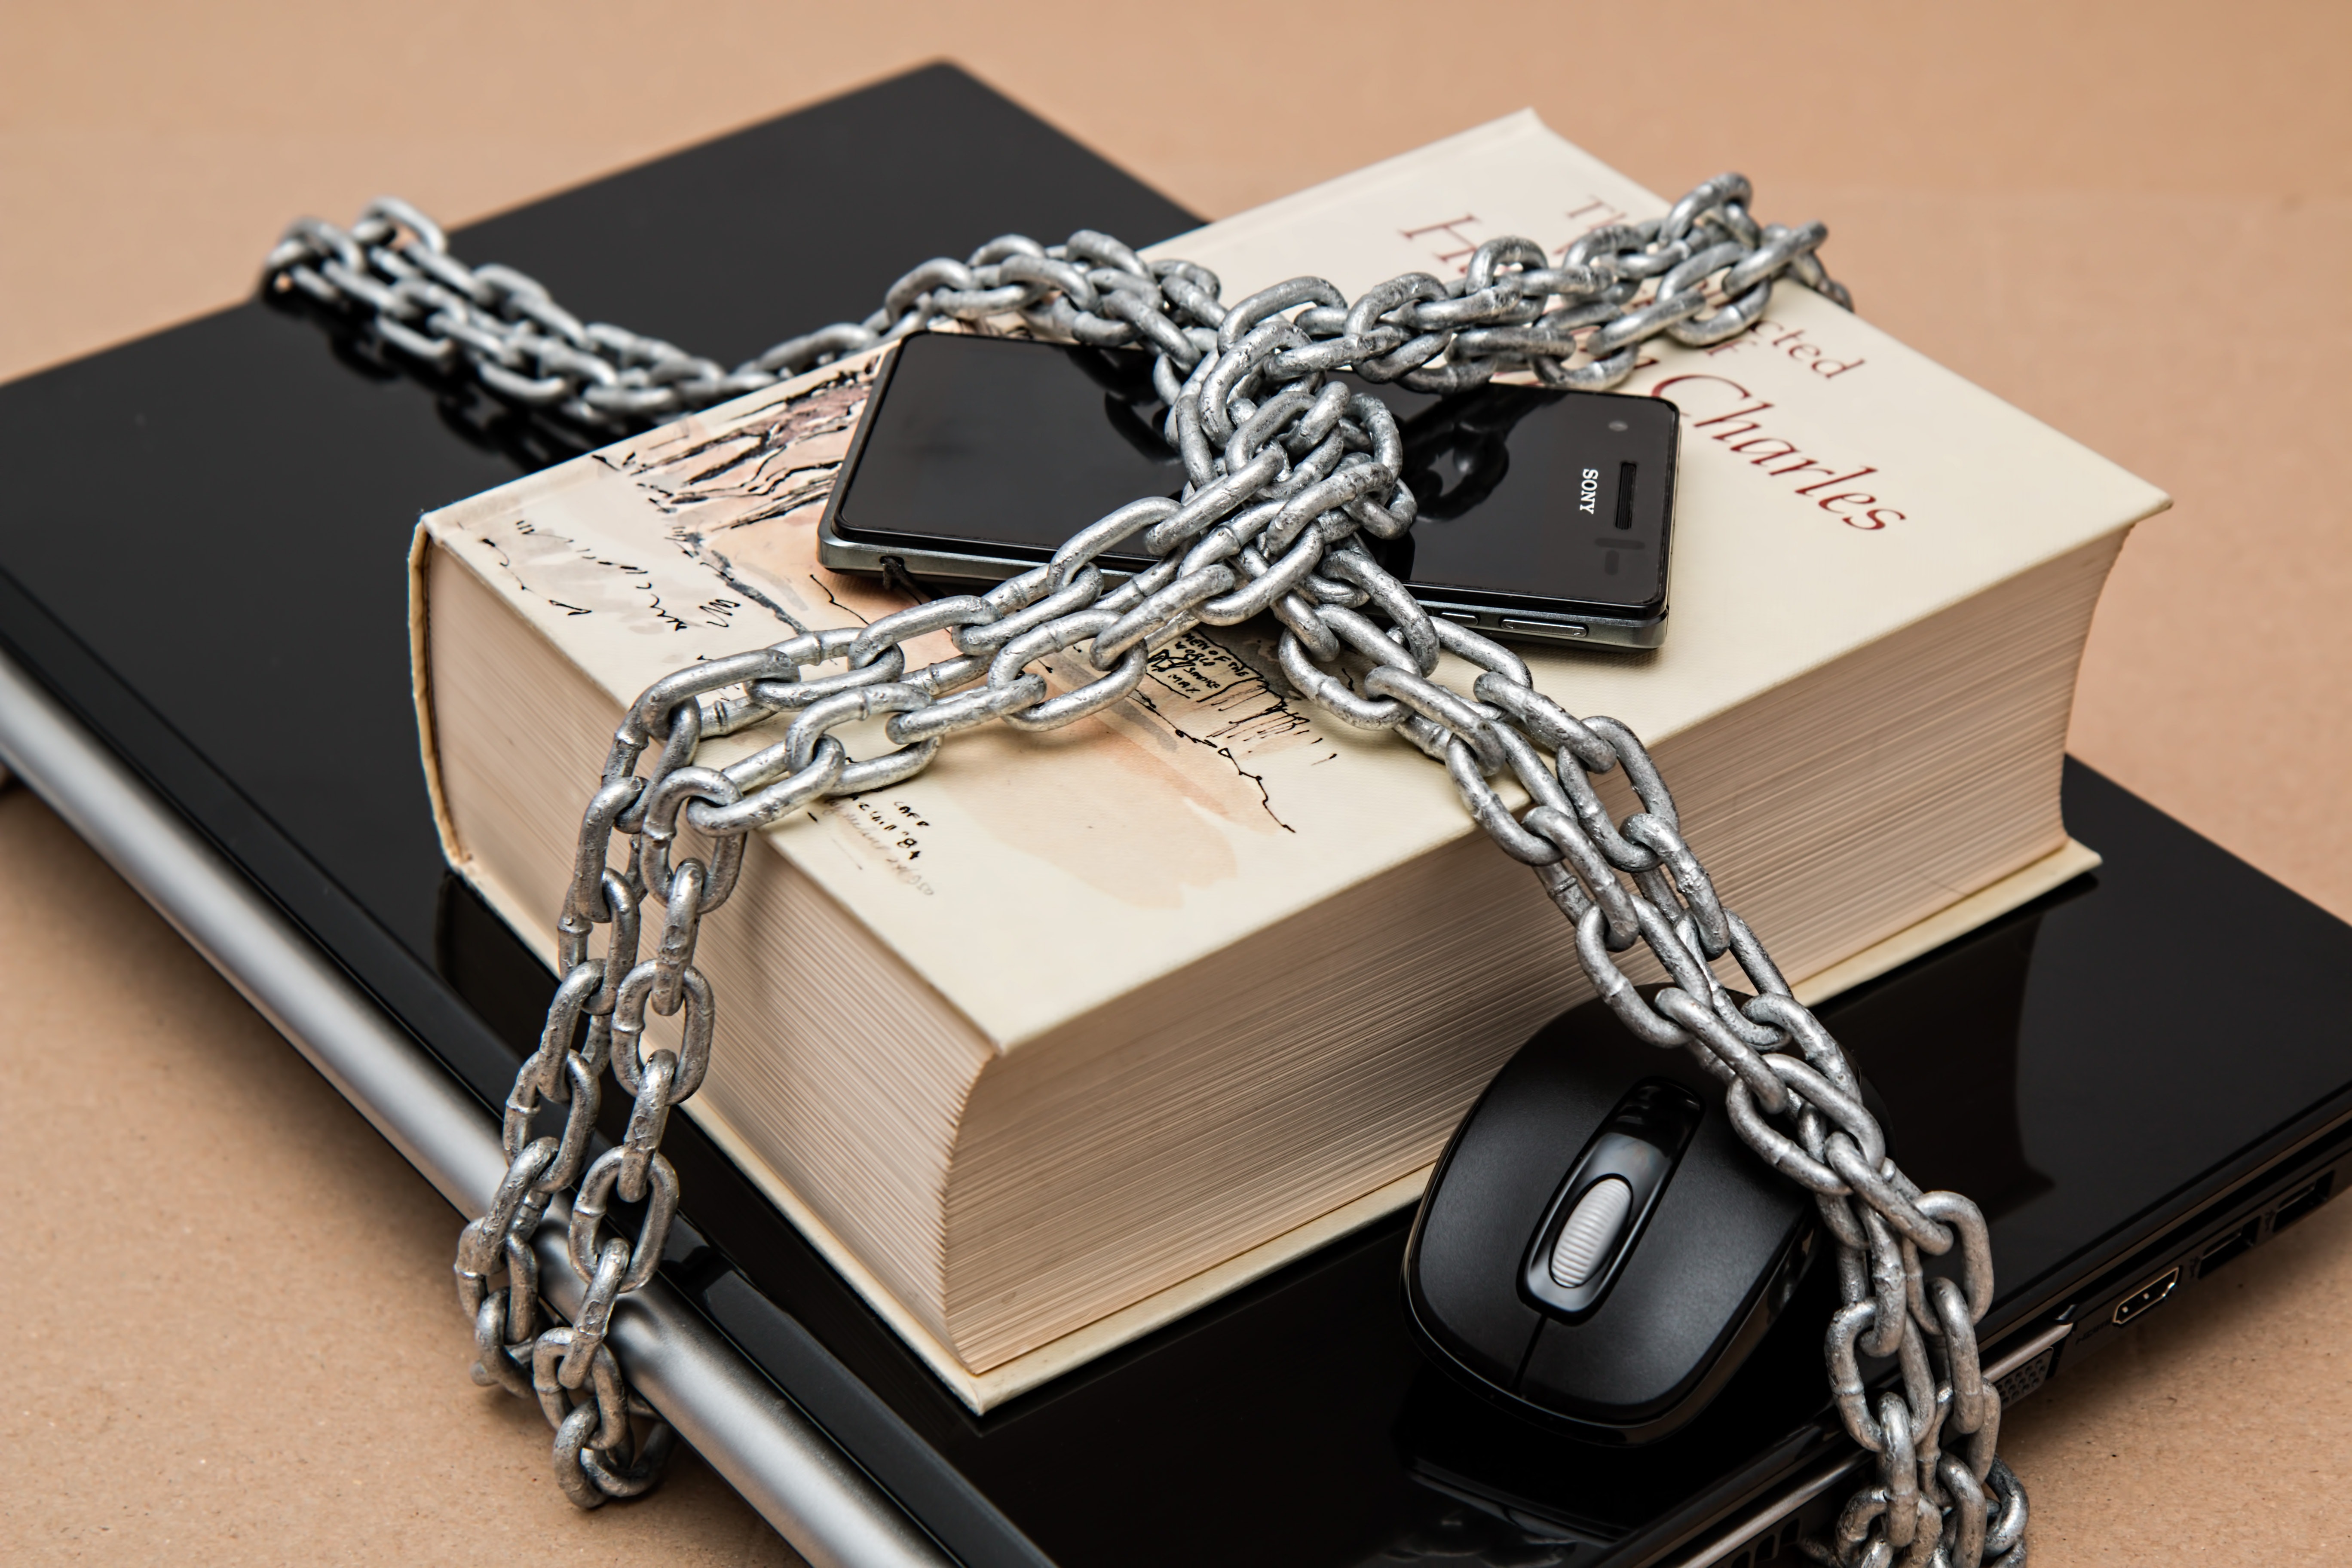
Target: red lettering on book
point(1799, 468)
point(1757, 407)
point(1839, 480)
point(1608, 215)
point(1791, 341)
point(1452, 230)
point(1745, 426)
point(1740, 430)
point(1737, 390)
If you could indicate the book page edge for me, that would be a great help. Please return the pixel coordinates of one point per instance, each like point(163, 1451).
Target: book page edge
point(2020, 887)
point(984, 1391)
point(2114, 537)
point(420, 689)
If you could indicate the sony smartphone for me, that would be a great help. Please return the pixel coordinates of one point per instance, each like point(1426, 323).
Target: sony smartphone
point(1544, 515)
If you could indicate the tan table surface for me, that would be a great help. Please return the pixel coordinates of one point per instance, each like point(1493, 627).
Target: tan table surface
point(226, 1300)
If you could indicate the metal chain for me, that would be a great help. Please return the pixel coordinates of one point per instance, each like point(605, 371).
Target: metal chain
point(1286, 466)
point(393, 268)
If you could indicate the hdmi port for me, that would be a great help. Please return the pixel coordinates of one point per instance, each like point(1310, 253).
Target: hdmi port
point(2147, 1295)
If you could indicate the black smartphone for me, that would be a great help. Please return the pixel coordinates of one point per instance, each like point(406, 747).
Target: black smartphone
point(1545, 515)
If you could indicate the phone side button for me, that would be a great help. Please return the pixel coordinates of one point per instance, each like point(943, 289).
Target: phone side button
point(1462, 617)
point(1548, 628)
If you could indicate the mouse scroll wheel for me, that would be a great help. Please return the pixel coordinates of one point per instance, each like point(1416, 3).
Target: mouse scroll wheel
point(1591, 1231)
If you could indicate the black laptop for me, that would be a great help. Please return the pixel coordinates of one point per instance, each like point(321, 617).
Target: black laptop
point(201, 549)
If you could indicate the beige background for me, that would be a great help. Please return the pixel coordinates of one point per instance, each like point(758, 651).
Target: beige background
point(228, 1302)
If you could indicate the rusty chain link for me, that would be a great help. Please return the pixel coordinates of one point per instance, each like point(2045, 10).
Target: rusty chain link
point(1286, 466)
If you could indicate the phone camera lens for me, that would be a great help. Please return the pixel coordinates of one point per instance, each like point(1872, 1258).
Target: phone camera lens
point(1617, 424)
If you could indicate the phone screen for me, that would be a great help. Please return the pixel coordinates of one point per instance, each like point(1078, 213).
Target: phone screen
point(1557, 502)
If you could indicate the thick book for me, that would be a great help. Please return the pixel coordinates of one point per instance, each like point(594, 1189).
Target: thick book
point(1071, 1033)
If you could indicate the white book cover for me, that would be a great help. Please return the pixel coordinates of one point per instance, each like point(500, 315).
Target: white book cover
point(1836, 486)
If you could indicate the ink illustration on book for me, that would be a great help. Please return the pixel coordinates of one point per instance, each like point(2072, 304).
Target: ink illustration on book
point(723, 557)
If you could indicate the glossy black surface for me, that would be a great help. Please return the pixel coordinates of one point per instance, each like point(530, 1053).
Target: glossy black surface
point(1529, 499)
point(1002, 446)
point(1540, 499)
point(201, 548)
point(1641, 1353)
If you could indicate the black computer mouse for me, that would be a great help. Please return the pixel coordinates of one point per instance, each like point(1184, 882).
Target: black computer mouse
point(1598, 1248)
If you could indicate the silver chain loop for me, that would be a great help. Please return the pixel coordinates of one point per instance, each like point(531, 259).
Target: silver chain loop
point(1578, 324)
point(1286, 466)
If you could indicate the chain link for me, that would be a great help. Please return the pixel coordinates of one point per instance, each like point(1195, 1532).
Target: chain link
point(1700, 274)
point(1286, 466)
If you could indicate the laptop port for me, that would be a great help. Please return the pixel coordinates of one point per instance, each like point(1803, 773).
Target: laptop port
point(2026, 1378)
point(2228, 1246)
point(2303, 1202)
point(2147, 1296)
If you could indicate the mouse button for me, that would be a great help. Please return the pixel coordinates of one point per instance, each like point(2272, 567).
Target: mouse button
point(1498, 1181)
point(1675, 1321)
point(1596, 1217)
point(1728, 1204)
point(1673, 1327)
point(1460, 1296)
point(1500, 1175)
point(1488, 1193)
point(1609, 1370)
point(1717, 1231)
point(1646, 1376)
point(1486, 1332)
point(1714, 1244)
point(1659, 1113)
point(1588, 1236)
